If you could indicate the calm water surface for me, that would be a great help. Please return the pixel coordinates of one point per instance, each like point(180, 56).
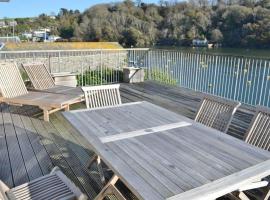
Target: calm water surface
point(261, 53)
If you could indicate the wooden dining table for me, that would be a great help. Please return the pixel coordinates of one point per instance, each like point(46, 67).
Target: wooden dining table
point(160, 155)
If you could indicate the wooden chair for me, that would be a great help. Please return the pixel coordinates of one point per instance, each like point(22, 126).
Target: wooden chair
point(14, 92)
point(52, 186)
point(96, 97)
point(42, 80)
point(102, 96)
point(216, 112)
point(258, 133)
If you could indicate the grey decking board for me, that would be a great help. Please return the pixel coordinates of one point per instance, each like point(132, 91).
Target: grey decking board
point(71, 142)
point(5, 166)
point(18, 169)
point(38, 141)
point(40, 152)
point(32, 166)
point(55, 154)
point(74, 134)
point(71, 159)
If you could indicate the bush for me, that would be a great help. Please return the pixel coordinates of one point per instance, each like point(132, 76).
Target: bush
point(98, 77)
point(160, 76)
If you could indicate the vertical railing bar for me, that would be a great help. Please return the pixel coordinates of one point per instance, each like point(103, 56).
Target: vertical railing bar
point(258, 77)
point(263, 86)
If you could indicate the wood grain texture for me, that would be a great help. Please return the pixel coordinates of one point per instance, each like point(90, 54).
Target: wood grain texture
point(258, 133)
point(216, 112)
point(42, 80)
point(167, 163)
point(102, 96)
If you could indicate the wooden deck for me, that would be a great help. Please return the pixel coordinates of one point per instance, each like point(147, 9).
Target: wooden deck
point(30, 147)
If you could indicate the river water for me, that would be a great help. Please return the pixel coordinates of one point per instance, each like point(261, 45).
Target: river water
point(260, 53)
point(238, 74)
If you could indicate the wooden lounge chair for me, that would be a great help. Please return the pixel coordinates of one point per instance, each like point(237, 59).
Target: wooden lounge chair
point(52, 186)
point(216, 112)
point(102, 96)
point(13, 91)
point(42, 80)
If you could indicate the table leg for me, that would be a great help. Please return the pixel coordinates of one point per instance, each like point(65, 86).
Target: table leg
point(97, 159)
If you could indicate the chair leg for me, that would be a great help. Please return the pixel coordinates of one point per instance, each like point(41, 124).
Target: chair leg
point(242, 196)
point(100, 170)
point(91, 161)
point(110, 188)
point(267, 196)
point(3, 189)
point(97, 159)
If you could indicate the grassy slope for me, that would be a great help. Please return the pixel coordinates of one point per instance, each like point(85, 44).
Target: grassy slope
point(61, 46)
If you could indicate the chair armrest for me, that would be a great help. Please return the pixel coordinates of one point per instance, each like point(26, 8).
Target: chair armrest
point(3, 189)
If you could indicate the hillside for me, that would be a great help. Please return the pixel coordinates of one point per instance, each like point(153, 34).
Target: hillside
point(232, 23)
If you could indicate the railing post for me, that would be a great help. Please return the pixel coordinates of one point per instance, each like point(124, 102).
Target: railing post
point(101, 67)
point(236, 81)
point(148, 64)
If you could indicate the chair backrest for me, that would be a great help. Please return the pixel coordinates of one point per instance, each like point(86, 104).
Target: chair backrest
point(51, 186)
point(258, 133)
point(11, 82)
point(216, 112)
point(102, 95)
point(39, 75)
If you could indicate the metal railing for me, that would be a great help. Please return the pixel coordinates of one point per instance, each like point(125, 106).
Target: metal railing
point(94, 67)
point(239, 78)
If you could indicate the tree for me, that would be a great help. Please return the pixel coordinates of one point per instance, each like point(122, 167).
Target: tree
point(216, 36)
point(235, 23)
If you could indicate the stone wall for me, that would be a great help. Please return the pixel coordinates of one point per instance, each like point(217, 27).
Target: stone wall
point(74, 63)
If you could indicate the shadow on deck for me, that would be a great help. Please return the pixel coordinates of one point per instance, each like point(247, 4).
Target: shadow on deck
point(30, 147)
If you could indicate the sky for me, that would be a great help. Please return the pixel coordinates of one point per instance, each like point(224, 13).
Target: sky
point(32, 8)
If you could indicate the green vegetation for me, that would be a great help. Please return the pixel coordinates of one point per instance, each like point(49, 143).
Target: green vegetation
point(97, 77)
point(160, 76)
point(232, 23)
